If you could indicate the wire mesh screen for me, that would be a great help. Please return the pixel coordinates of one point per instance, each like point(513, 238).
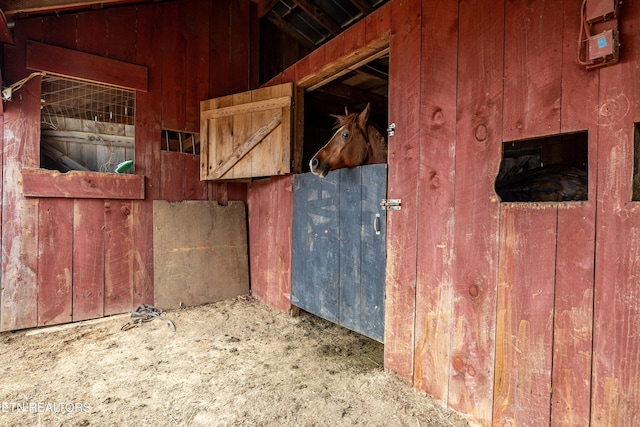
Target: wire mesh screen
point(85, 126)
point(71, 98)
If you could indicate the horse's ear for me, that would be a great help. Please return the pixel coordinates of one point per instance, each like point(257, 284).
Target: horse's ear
point(364, 116)
point(346, 111)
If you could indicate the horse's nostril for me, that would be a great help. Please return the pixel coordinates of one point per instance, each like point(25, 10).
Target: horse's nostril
point(314, 163)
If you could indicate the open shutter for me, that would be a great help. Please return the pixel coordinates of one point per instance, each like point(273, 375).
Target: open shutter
point(249, 134)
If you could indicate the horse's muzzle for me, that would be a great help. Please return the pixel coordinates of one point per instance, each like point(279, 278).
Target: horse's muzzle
point(317, 168)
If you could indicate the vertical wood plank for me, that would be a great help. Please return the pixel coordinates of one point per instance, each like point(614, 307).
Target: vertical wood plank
point(197, 75)
point(174, 59)
point(404, 110)
point(88, 259)
point(349, 246)
point(121, 30)
point(434, 287)
point(92, 27)
point(532, 69)
point(55, 261)
point(573, 321)
point(172, 176)
point(478, 148)
point(281, 253)
point(219, 43)
point(524, 325)
point(20, 148)
point(19, 298)
point(118, 261)
point(616, 347)
point(60, 30)
point(270, 241)
point(147, 149)
point(194, 188)
point(374, 250)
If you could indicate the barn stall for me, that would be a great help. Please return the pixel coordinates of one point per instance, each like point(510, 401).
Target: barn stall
point(511, 313)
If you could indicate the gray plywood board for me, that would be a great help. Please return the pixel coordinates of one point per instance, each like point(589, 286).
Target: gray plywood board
point(199, 252)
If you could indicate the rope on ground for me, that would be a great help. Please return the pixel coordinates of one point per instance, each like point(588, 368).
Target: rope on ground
point(146, 313)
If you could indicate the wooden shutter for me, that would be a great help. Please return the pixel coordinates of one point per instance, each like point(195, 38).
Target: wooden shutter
point(249, 134)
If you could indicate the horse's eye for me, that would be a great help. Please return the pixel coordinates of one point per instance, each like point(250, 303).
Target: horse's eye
point(345, 135)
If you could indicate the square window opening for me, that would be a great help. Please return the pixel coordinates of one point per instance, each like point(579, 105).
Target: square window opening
point(548, 169)
point(86, 126)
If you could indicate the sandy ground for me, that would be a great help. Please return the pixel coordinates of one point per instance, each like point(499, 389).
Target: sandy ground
point(232, 363)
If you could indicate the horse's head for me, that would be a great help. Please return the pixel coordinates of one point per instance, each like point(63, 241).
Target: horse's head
point(350, 146)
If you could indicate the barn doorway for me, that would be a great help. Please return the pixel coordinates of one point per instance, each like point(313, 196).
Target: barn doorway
point(339, 228)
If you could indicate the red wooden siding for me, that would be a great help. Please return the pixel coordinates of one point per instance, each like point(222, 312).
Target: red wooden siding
point(434, 286)
point(491, 307)
point(270, 212)
point(404, 84)
point(616, 329)
point(86, 249)
point(479, 135)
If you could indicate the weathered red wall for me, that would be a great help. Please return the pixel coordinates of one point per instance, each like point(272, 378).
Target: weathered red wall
point(73, 259)
point(510, 313)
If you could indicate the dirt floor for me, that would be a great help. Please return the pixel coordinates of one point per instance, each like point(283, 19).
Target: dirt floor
point(232, 363)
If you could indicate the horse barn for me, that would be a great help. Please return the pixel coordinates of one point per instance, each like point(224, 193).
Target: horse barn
point(158, 152)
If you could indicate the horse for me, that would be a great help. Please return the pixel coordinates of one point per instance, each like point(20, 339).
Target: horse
point(356, 142)
point(553, 183)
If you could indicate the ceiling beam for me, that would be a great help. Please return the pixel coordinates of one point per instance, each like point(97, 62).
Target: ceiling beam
point(364, 7)
point(318, 14)
point(14, 7)
point(276, 20)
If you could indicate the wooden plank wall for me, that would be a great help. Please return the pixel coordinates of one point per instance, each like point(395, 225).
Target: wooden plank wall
point(69, 259)
point(511, 314)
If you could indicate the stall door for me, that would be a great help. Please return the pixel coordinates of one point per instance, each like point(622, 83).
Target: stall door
point(338, 249)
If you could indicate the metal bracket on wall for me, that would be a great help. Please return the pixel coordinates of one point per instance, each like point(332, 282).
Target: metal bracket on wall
point(391, 129)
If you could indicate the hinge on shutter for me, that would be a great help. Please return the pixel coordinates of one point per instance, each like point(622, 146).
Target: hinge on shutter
point(391, 129)
point(390, 204)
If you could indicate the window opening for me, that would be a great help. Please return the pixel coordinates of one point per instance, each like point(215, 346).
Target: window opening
point(86, 126)
point(354, 89)
point(548, 169)
point(181, 142)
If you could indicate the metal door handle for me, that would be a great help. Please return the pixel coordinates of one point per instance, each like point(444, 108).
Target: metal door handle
point(376, 224)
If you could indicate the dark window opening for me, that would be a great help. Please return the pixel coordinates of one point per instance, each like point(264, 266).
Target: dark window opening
point(181, 142)
point(548, 169)
point(367, 84)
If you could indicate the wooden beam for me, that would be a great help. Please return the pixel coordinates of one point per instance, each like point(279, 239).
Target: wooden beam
point(14, 7)
point(84, 66)
point(82, 185)
point(5, 34)
point(265, 6)
point(363, 5)
point(354, 94)
point(318, 14)
point(290, 31)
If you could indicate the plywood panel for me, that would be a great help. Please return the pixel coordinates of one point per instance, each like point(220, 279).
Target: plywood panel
point(524, 325)
point(200, 252)
point(532, 69)
point(434, 287)
point(404, 110)
point(478, 151)
point(88, 259)
point(55, 261)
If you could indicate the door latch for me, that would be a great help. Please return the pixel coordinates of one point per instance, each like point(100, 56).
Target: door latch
point(390, 204)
